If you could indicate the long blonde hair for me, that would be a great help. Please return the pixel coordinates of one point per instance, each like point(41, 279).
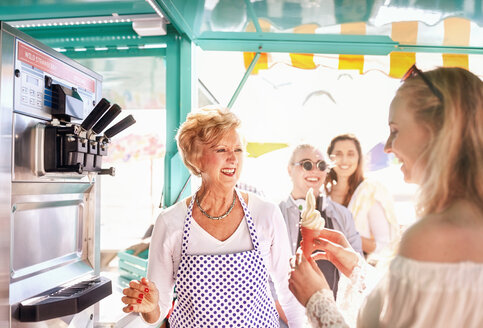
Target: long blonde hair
point(454, 155)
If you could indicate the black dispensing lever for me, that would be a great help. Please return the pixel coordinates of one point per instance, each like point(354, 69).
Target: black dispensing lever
point(111, 114)
point(80, 147)
point(101, 107)
point(120, 126)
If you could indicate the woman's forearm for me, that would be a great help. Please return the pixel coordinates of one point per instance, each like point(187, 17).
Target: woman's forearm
point(281, 314)
point(153, 316)
point(322, 310)
point(368, 245)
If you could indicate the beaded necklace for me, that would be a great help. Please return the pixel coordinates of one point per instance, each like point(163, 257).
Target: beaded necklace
point(216, 217)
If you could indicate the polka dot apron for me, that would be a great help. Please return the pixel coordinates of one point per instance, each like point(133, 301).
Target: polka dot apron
point(226, 290)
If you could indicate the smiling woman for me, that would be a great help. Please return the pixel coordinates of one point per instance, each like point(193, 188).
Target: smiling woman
point(307, 169)
point(436, 279)
point(406, 139)
point(369, 202)
point(220, 251)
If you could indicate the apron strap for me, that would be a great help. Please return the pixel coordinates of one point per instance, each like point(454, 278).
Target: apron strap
point(248, 217)
point(187, 226)
point(246, 211)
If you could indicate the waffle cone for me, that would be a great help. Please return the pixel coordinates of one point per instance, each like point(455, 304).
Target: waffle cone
point(307, 243)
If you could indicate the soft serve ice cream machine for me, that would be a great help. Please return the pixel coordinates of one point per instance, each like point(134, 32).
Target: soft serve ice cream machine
point(52, 142)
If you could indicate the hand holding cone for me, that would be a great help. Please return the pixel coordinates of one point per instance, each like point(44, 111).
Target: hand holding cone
point(311, 224)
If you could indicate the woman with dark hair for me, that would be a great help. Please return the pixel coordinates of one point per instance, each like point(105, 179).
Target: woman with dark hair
point(436, 279)
point(348, 146)
point(369, 202)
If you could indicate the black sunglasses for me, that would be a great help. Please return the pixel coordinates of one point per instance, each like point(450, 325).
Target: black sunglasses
point(308, 165)
point(414, 71)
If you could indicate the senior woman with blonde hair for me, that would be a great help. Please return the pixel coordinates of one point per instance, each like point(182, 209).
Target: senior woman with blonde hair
point(217, 246)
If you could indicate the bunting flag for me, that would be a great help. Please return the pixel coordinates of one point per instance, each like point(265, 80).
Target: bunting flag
point(255, 149)
point(452, 31)
point(355, 62)
point(457, 32)
point(305, 61)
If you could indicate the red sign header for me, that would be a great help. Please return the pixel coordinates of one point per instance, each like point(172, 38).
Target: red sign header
point(34, 57)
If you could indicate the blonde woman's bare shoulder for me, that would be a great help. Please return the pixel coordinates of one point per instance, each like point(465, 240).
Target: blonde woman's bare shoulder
point(451, 236)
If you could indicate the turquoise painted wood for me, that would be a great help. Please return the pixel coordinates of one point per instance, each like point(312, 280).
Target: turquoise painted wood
point(297, 43)
point(179, 98)
point(244, 79)
point(93, 35)
point(14, 10)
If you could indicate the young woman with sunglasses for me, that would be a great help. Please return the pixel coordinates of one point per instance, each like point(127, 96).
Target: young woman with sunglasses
point(307, 169)
point(436, 279)
point(369, 202)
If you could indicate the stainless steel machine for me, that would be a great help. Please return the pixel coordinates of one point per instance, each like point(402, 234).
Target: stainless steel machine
point(51, 118)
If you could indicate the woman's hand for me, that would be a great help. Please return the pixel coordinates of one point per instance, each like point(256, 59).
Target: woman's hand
point(141, 296)
point(337, 250)
point(305, 278)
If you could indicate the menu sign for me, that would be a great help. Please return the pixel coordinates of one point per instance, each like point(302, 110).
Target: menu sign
point(48, 64)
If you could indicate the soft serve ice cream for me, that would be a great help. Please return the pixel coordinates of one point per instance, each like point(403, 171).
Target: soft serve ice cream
point(311, 218)
point(311, 224)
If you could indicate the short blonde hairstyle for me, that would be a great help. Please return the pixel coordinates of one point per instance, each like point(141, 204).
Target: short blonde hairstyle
point(300, 148)
point(206, 126)
point(454, 155)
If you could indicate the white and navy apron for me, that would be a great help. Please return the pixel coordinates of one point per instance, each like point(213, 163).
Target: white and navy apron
point(226, 290)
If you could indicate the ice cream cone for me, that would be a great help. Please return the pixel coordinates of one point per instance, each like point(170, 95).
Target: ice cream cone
point(307, 243)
